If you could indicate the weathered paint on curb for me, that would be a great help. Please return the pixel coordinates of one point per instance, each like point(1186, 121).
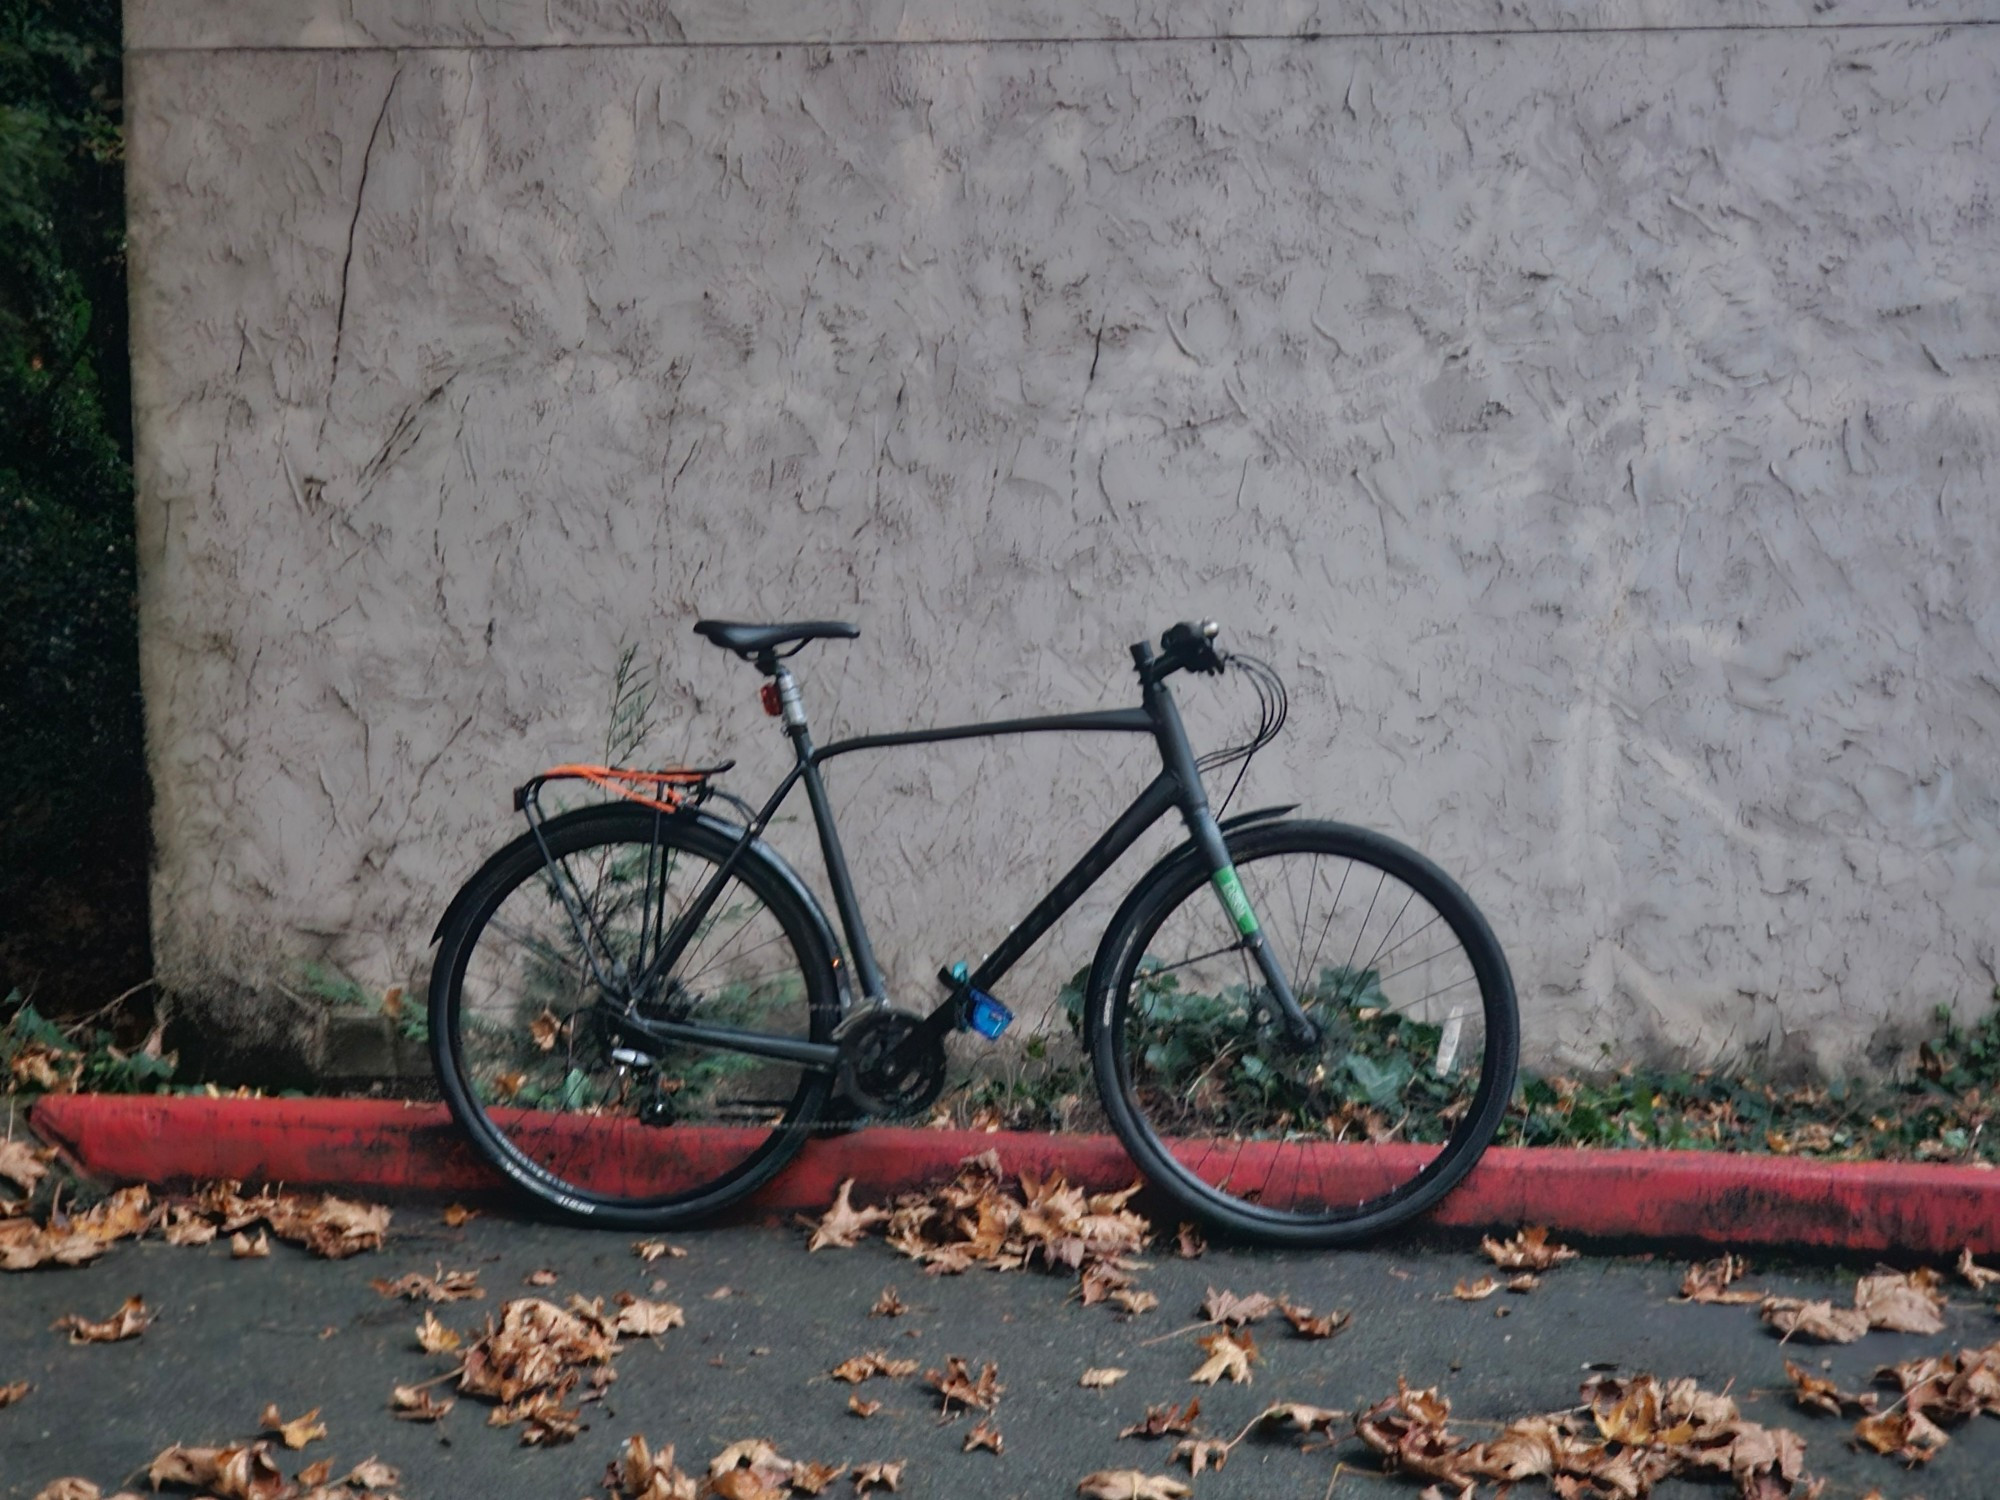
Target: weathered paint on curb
point(392, 1148)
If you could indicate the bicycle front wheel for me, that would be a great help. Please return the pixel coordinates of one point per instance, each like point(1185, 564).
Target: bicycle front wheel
point(1316, 1146)
point(538, 953)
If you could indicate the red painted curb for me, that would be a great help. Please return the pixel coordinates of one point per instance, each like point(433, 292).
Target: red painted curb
point(392, 1148)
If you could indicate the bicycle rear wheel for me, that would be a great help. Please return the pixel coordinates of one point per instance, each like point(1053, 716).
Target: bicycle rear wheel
point(582, 1120)
point(1327, 1145)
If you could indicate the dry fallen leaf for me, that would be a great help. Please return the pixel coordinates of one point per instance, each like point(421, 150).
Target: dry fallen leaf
point(651, 1250)
point(416, 1404)
point(749, 1470)
point(1530, 1250)
point(296, 1433)
point(371, 1474)
point(542, 1277)
point(1189, 1243)
point(878, 1477)
point(68, 1489)
point(1130, 1484)
point(1902, 1303)
point(1227, 1307)
point(1813, 1320)
point(1305, 1418)
point(1165, 1421)
point(863, 1366)
point(332, 1228)
point(1976, 1274)
point(842, 1225)
point(638, 1473)
point(862, 1408)
point(457, 1215)
point(1229, 1354)
point(955, 1383)
point(888, 1305)
point(1476, 1291)
point(9, 1394)
point(22, 1165)
point(984, 1435)
point(1134, 1300)
point(187, 1225)
point(235, 1473)
point(1099, 1379)
point(810, 1478)
point(638, 1318)
point(317, 1473)
point(242, 1247)
point(1306, 1326)
point(1202, 1453)
point(444, 1286)
point(434, 1338)
point(1811, 1392)
point(1710, 1281)
point(1905, 1434)
point(128, 1322)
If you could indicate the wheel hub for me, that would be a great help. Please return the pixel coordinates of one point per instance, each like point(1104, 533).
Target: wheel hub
point(888, 1065)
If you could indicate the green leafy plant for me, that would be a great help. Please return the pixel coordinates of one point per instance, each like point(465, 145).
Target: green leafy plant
point(38, 1056)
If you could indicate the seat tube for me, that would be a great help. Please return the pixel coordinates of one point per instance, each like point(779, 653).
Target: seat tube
point(792, 709)
point(1207, 837)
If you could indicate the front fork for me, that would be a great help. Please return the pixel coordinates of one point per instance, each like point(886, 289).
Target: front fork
point(1299, 1027)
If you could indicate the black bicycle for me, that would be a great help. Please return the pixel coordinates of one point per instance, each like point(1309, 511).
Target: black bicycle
point(1303, 1032)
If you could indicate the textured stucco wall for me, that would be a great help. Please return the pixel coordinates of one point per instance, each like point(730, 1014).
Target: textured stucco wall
point(1589, 408)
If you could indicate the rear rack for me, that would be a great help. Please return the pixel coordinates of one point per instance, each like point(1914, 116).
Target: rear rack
point(671, 789)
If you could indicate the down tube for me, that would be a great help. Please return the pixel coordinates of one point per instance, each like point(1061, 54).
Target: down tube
point(1161, 795)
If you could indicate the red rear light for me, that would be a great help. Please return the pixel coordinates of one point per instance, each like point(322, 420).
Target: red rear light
point(768, 693)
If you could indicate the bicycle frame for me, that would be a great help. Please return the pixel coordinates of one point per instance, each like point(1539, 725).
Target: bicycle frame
point(1177, 786)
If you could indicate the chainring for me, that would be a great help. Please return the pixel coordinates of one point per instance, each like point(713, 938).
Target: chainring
point(871, 1073)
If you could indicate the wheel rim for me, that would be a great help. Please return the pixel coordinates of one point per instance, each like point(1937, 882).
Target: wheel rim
point(537, 1066)
point(1392, 1105)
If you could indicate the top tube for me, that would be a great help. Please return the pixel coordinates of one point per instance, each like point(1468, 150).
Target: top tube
point(1111, 720)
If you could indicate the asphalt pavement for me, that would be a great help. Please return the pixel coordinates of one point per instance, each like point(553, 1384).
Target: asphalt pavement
point(766, 1322)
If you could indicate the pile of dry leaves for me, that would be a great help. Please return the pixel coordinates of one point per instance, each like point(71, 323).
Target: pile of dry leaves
point(977, 1219)
point(325, 1225)
point(249, 1471)
point(1937, 1389)
point(749, 1470)
point(531, 1362)
point(1627, 1436)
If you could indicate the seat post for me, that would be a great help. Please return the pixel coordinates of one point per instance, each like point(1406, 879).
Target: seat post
point(791, 706)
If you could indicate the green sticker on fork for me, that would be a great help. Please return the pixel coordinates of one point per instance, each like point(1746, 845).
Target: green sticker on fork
point(1231, 890)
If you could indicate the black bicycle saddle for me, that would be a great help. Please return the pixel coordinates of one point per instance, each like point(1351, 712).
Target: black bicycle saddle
point(749, 641)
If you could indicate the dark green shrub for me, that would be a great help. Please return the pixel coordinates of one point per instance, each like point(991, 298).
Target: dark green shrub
point(73, 841)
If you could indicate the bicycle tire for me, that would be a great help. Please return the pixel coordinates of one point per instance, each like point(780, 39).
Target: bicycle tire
point(526, 1067)
point(1354, 1137)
